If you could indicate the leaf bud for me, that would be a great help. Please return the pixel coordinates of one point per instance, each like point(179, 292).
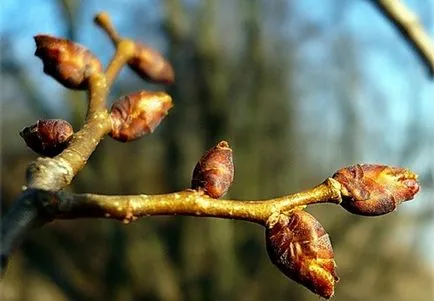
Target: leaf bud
point(150, 65)
point(370, 189)
point(69, 63)
point(48, 137)
point(214, 172)
point(137, 114)
point(300, 247)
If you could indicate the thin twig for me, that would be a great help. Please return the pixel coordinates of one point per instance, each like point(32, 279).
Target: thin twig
point(126, 208)
point(104, 21)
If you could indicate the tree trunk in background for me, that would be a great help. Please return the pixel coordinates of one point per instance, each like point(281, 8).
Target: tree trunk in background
point(218, 97)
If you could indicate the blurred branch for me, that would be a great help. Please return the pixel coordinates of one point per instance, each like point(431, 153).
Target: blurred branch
point(410, 28)
point(35, 250)
point(176, 20)
point(68, 9)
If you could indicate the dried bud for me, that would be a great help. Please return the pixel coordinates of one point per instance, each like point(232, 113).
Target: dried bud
point(48, 137)
point(370, 189)
point(69, 63)
point(137, 114)
point(214, 172)
point(151, 65)
point(300, 247)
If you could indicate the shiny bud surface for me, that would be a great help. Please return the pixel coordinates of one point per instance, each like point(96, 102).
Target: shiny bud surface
point(370, 189)
point(69, 63)
point(137, 114)
point(214, 172)
point(48, 137)
point(300, 247)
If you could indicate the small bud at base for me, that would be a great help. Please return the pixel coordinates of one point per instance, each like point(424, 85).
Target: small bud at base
point(214, 172)
point(300, 247)
point(370, 189)
point(48, 137)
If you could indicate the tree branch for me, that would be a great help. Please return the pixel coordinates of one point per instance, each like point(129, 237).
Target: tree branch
point(36, 207)
point(410, 28)
point(366, 189)
point(126, 208)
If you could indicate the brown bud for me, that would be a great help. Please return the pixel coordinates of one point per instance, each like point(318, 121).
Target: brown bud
point(69, 63)
point(370, 189)
point(151, 65)
point(48, 137)
point(300, 247)
point(214, 172)
point(137, 114)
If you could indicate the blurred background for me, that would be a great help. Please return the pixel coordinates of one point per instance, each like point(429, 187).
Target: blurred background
point(298, 88)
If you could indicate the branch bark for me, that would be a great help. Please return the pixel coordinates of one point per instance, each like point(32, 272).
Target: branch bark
point(36, 207)
point(127, 208)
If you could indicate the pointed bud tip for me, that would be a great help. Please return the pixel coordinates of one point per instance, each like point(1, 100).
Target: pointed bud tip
point(223, 144)
point(412, 185)
point(214, 172)
point(300, 247)
point(372, 189)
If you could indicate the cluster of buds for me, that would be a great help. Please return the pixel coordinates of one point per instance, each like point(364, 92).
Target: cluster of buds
point(296, 242)
point(300, 247)
point(71, 64)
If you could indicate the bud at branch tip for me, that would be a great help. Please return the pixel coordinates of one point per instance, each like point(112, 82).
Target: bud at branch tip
point(69, 63)
point(371, 189)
